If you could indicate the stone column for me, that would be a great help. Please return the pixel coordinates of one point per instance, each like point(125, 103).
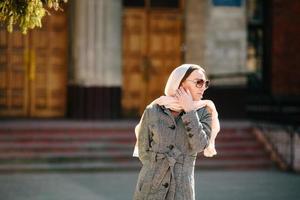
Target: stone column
point(95, 69)
point(195, 30)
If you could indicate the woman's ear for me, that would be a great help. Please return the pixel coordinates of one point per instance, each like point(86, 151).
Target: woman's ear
point(183, 84)
point(185, 87)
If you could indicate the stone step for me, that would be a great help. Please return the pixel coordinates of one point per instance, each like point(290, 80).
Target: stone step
point(249, 164)
point(63, 136)
point(76, 166)
point(111, 149)
point(120, 136)
point(96, 131)
point(111, 155)
point(100, 166)
point(100, 138)
point(105, 145)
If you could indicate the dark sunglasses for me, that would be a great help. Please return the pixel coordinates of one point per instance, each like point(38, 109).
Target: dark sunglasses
point(200, 82)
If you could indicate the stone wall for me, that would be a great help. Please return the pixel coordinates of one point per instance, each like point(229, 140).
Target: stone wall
point(297, 153)
point(285, 146)
point(215, 37)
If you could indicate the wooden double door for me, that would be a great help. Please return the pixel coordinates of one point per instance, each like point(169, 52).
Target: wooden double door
point(152, 48)
point(33, 70)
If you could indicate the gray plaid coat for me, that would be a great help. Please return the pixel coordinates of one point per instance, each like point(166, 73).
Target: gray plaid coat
point(168, 147)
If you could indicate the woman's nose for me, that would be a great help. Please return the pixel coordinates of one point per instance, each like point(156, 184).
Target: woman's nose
point(202, 89)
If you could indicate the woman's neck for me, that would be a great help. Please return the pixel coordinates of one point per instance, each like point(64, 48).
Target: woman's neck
point(175, 113)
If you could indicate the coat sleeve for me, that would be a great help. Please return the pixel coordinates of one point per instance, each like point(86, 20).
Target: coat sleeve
point(143, 138)
point(198, 131)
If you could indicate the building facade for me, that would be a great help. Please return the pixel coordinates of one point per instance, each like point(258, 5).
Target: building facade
point(107, 59)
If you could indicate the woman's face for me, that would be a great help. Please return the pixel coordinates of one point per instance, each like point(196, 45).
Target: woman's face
point(191, 82)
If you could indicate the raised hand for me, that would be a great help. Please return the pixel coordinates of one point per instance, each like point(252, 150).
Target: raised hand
point(185, 99)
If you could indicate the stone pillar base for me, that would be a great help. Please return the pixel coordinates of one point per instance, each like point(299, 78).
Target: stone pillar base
point(94, 102)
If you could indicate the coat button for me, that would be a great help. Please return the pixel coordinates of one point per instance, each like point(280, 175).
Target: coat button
point(171, 146)
point(187, 123)
point(166, 185)
point(188, 129)
point(172, 127)
point(190, 135)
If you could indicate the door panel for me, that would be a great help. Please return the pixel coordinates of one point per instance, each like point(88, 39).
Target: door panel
point(33, 70)
point(134, 51)
point(48, 86)
point(152, 42)
point(13, 70)
point(164, 49)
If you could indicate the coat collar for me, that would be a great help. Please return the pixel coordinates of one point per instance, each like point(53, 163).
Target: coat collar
point(168, 111)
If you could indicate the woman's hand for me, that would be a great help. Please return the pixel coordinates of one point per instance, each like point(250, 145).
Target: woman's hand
point(185, 99)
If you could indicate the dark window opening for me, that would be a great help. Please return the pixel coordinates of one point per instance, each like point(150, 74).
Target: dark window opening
point(164, 3)
point(236, 3)
point(153, 3)
point(133, 3)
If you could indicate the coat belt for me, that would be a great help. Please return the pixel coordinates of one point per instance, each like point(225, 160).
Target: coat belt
point(168, 161)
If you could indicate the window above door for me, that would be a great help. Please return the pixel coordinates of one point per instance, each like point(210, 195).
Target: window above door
point(165, 4)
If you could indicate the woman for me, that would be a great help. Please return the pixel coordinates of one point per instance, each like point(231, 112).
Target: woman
point(172, 130)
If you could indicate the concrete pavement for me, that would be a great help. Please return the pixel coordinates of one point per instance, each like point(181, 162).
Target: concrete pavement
point(210, 185)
